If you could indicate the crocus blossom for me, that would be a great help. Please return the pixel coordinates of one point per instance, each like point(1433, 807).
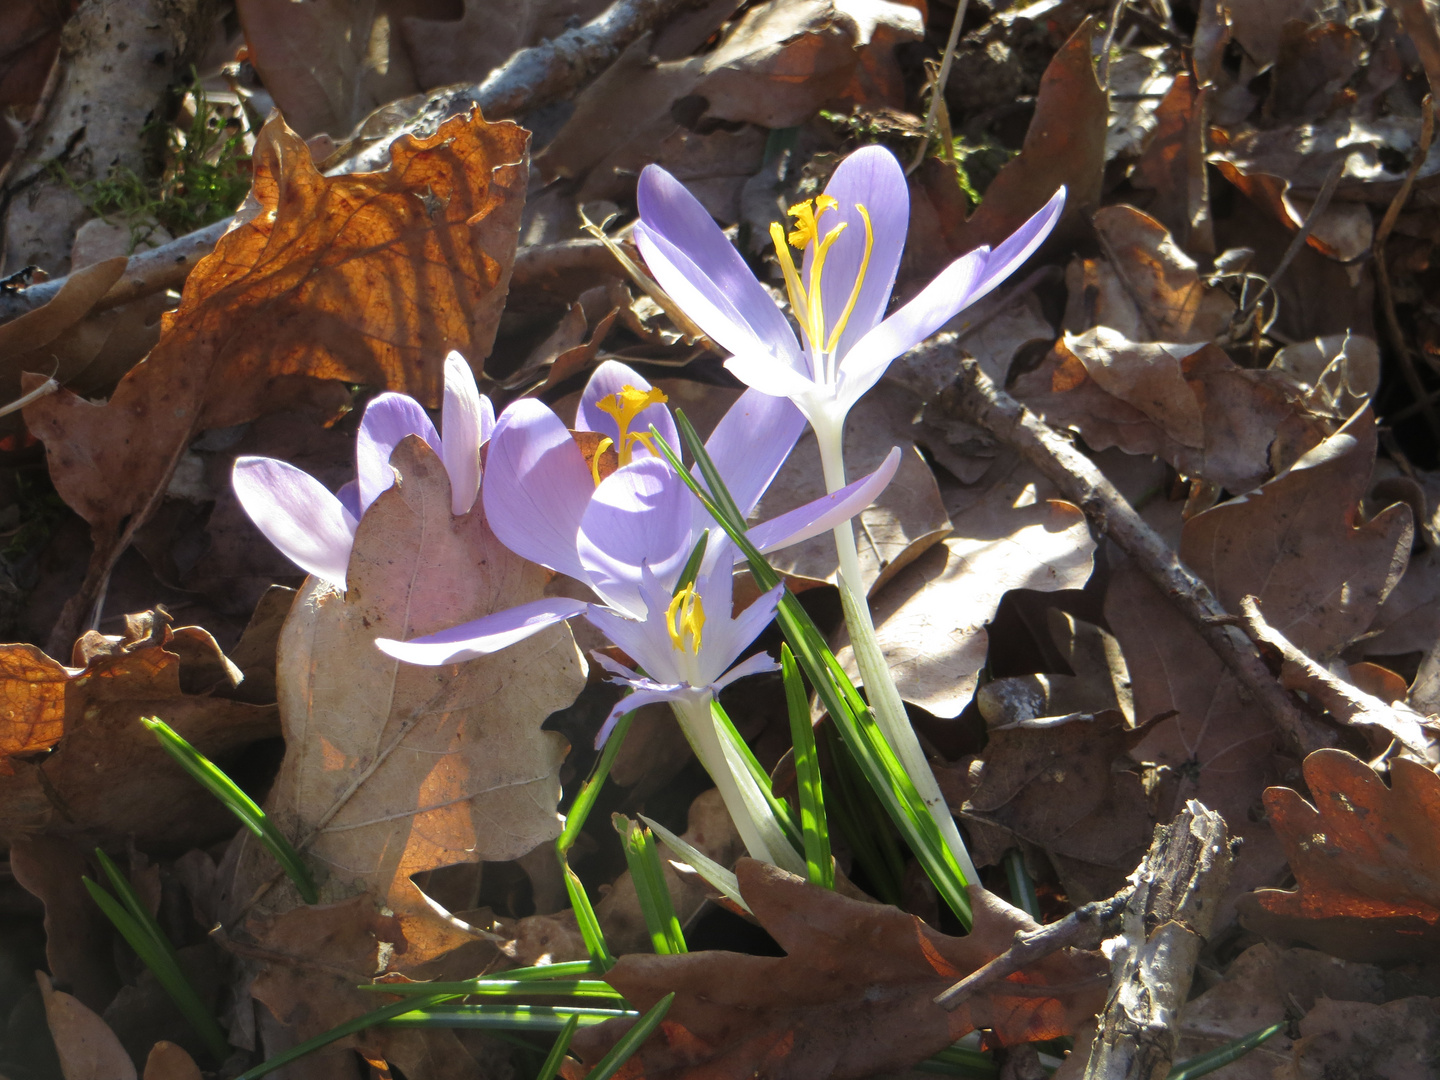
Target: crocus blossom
point(852, 236)
point(629, 536)
point(314, 528)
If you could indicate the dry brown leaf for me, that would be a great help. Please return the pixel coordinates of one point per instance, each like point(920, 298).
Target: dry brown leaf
point(1146, 288)
point(1173, 165)
point(1189, 404)
point(1395, 1040)
point(1338, 372)
point(107, 779)
point(167, 1061)
point(930, 620)
point(1364, 859)
point(78, 937)
point(31, 31)
point(851, 997)
point(1064, 784)
point(395, 769)
point(370, 278)
point(88, 1049)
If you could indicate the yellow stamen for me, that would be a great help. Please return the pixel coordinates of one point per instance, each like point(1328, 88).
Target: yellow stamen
point(600, 449)
point(817, 301)
point(624, 407)
point(799, 303)
point(805, 214)
point(685, 619)
point(859, 280)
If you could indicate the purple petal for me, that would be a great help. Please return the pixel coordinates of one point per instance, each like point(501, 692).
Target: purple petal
point(467, 419)
point(725, 638)
point(480, 637)
point(297, 514)
point(669, 211)
point(639, 517)
point(387, 420)
point(609, 379)
point(762, 372)
point(349, 496)
point(750, 443)
point(630, 703)
point(873, 178)
point(826, 512)
point(933, 308)
point(742, 322)
point(1019, 246)
point(643, 639)
point(754, 665)
point(537, 487)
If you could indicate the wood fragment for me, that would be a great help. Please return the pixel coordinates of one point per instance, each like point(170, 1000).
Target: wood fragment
point(1177, 890)
point(973, 397)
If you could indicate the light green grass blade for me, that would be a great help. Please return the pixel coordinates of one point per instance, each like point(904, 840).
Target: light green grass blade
point(556, 1057)
point(620, 1053)
point(1223, 1055)
point(585, 918)
point(529, 1018)
point(726, 727)
point(722, 880)
point(581, 988)
point(814, 830)
point(648, 876)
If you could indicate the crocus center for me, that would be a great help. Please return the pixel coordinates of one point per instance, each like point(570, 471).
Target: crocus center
point(624, 406)
point(685, 619)
point(806, 299)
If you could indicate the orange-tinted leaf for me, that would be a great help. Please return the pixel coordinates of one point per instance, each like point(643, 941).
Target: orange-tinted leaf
point(851, 997)
point(1364, 857)
point(369, 278)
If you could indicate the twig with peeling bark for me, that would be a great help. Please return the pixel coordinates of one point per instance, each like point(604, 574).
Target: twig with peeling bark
point(1177, 890)
point(974, 398)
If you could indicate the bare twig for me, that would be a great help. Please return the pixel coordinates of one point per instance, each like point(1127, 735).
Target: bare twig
point(973, 397)
point(1083, 928)
point(937, 95)
point(1177, 890)
point(1103, 76)
point(1382, 273)
point(49, 386)
point(1419, 22)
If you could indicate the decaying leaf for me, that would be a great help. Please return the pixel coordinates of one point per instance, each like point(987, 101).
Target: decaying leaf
point(394, 769)
point(88, 1049)
point(369, 278)
point(851, 997)
point(930, 619)
point(107, 780)
point(1189, 404)
point(1364, 859)
point(167, 1061)
point(1395, 1040)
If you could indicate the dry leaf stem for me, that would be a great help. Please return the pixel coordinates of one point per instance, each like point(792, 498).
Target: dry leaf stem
point(975, 398)
point(1177, 890)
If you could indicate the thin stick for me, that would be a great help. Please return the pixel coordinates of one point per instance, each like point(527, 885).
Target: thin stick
point(1103, 76)
point(973, 397)
point(49, 386)
point(941, 80)
point(1423, 400)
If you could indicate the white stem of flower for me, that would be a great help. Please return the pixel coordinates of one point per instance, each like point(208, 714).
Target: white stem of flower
point(763, 837)
point(880, 687)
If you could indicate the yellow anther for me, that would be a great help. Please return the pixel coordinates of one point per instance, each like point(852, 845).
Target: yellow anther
point(805, 213)
point(685, 619)
point(624, 407)
point(600, 449)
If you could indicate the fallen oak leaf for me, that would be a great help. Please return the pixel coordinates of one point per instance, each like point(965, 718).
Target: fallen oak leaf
point(368, 278)
point(1364, 857)
point(853, 996)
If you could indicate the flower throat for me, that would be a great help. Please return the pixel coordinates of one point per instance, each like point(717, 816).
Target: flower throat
point(624, 406)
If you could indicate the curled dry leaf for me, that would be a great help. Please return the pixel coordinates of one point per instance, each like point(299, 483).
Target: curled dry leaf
point(1364, 858)
point(370, 278)
point(1189, 404)
point(1173, 164)
point(851, 997)
point(107, 780)
point(87, 1048)
point(1395, 1040)
point(393, 769)
point(930, 619)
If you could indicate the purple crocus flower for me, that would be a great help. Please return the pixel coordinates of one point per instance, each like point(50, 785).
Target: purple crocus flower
point(852, 236)
point(316, 529)
point(630, 536)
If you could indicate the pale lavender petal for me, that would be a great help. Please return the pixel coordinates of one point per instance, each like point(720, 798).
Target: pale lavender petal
point(297, 514)
point(645, 640)
point(609, 379)
point(466, 420)
point(349, 496)
point(754, 665)
point(873, 178)
point(933, 308)
point(669, 210)
point(725, 638)
point(638, 516)
point(826, 512)
point(630, 703)
point(751, 442)
point(741, 323)
point(766, 374)
point(537, 487)
point(483, 636)
point(387, 420)
point(1019, 246)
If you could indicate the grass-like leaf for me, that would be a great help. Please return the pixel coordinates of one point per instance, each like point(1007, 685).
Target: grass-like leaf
point(631, 1041)
point(814, 830)
point(1223, 1055)
point(556, 1057)
point(862, 736)
point(138, 927)
point(737, 745)
point(503, 987)
point(723, 881)
point(585, 918)
point(648, 876)
point(214, 780)
point(504, 1017)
